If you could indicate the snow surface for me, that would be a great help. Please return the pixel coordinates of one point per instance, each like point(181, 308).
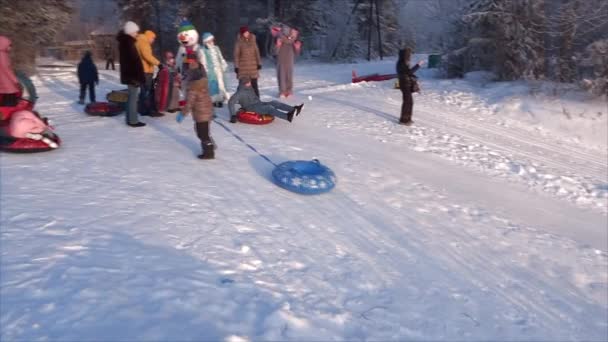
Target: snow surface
point(470, 225)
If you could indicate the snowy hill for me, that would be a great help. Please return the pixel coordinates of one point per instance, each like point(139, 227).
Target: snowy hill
point(473, 224)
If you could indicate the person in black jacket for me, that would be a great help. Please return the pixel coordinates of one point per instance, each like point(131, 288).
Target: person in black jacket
point(131, 70)
point(406, 83)
point(87, 76)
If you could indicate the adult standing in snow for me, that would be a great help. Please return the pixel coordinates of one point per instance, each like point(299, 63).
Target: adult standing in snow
point(88, 77)
point(9, 84)
point(216, 66)
point(108, 53)
point(407, 81)
point(147, 105)
point(249, 101)
point(247, 60)
point(131, 70)
point(287, 47)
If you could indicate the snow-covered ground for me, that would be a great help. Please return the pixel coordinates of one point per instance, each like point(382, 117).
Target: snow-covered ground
point(474, 224)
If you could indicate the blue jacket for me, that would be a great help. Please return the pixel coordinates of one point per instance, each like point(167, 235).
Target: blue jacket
point(87, 71)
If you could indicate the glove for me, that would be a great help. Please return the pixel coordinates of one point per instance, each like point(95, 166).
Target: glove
point(259, 67)
point(180, 117)
point(236, 70)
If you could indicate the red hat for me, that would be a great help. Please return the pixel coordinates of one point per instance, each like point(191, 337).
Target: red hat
point(244, 29)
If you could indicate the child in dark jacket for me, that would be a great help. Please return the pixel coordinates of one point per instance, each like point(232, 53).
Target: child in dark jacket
point(406, 82)
point(87, 76)
point(246, 97)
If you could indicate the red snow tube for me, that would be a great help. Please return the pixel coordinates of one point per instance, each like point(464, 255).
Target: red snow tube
point(372, 78)
point(254, 118)
point(161, 91)
point(103, 109)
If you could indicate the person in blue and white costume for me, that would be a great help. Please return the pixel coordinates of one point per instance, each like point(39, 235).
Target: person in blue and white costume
point(216, 66)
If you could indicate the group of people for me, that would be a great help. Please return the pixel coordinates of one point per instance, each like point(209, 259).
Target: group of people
point(198, 72)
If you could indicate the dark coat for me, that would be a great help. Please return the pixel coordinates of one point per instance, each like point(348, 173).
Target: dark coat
point(405, 73)
point(87, 71)
point(131, 68)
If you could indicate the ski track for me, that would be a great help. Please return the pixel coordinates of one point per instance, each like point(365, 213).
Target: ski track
point(120, 236)
point(581, 180)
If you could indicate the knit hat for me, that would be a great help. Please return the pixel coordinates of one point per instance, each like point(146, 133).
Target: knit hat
point(150, 34)
point(185, 25)
point(207, 36)
point(131, 27)
point(244, 29)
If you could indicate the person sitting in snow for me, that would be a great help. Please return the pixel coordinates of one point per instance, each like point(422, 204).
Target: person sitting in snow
point(216, 66)
point(88, 77)
point(246, 97)
point(198, 103)
point(10, 87)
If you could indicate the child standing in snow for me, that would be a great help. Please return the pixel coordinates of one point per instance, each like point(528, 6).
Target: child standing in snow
point(216, 66)
point(88, 77)
point(168, 83)
point(198, 103)
point(406, 84)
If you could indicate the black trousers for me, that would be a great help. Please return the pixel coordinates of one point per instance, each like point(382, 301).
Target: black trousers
point(407, 107)
point(202, 132)
point(110, 62)
point(254, 85)
point(83, 90)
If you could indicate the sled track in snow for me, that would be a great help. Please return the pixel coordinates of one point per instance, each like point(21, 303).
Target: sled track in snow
point(533, 149)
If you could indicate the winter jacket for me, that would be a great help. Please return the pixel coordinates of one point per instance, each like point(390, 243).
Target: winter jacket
point(87, 71)
point(181, 58)
point(245, 97)
point(145, 52)
point(405, 73)
point(108, 52)
point(247, 56)
point(198, 102)
point(131, 68)
point(9, 84)
point(216, 66)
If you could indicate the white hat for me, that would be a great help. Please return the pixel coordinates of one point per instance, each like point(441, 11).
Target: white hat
point(131, 27)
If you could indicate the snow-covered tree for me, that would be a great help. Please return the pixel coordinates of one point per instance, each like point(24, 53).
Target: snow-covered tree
point(32, 25)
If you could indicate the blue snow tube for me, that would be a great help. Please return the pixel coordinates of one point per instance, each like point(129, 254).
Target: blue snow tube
point(304, 177)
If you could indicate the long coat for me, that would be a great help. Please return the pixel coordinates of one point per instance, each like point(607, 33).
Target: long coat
point(131, 68)
point(247, 56)
point(198, 102)
point(287, 49)
point(216, 66)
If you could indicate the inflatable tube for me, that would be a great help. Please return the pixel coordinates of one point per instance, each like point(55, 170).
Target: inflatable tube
point(118, 96)
point(304, 177)
point(254, 118)
point(372, 78)
point(103, 109)
point(161, 89)
point(47, 142)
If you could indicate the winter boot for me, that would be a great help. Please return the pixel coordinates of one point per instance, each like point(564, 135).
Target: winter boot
point(81, 101)
point(208, 151)
point(291, 114)
point(299, 109)
point(233, 118)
